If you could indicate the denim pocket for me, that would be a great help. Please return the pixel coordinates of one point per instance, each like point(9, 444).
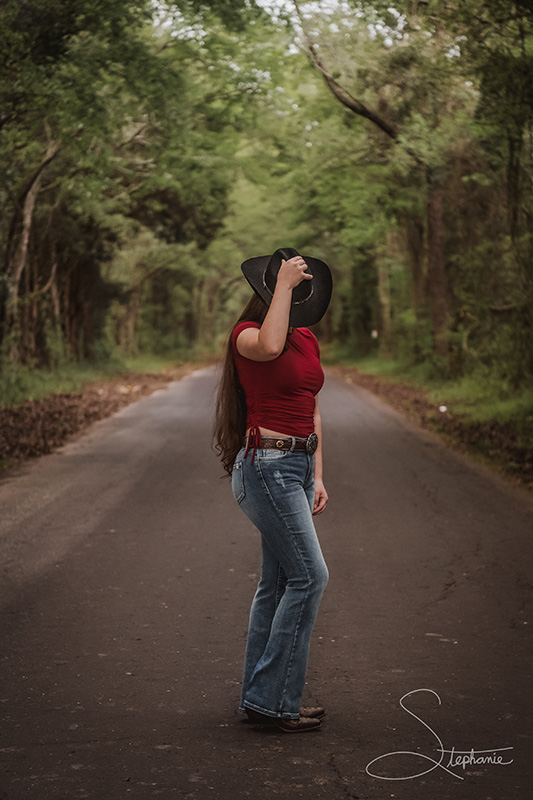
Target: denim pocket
point(269, 454)
point(237, 482)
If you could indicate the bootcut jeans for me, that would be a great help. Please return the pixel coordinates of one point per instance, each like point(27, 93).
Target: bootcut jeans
point(276, 492)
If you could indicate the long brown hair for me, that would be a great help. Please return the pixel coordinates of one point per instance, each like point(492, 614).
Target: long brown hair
point(230, 413)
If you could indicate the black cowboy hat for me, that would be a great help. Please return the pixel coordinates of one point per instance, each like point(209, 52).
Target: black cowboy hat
point(310, 298)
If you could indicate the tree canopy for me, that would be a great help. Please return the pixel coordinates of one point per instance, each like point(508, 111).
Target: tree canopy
point(146, 149)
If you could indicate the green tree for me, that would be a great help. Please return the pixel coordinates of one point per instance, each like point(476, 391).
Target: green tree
point(111, 135)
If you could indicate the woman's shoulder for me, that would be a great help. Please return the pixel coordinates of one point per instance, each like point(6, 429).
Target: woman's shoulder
point(307, 332)
point(241, 326)
point(311, 336)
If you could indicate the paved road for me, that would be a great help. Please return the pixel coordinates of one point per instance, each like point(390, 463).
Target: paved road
point(128, 571)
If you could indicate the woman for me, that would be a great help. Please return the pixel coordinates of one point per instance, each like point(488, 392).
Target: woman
point(268, 433)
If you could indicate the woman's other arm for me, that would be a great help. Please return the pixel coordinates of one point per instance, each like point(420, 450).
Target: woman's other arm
point(321, 496)
point(267, 342)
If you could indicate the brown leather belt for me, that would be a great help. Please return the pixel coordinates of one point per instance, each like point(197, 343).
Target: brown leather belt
point(308, 445)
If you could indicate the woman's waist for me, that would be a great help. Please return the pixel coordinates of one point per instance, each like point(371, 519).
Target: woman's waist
point(265, 438)
point(299, 424)
point(270, 432)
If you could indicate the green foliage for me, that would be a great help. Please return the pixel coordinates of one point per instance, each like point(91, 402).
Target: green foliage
point(143, 152)
point(480, 396)
point(168, 142)
point(20, 382)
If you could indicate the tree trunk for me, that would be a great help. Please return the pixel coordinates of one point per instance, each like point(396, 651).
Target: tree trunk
point(130, 324)
point(211, 291)
point(437, 285)
point(385, 339)
point(17, 262)
point(54, 294)
point(389, 252)
point(414, 237)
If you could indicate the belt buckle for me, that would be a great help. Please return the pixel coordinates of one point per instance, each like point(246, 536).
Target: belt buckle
point(311, 444)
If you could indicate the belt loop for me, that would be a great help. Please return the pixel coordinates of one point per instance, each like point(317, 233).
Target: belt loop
point(293, 444)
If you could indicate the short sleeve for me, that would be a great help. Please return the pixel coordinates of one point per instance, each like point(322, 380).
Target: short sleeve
point(239, 328)
point(313, 338)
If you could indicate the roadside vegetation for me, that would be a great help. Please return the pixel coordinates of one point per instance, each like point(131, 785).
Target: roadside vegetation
point(147, 148)
point(472, 413)
point(27, 383)
point(479, 397)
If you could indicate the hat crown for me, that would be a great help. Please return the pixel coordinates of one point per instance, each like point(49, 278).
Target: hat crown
point(303, 291)
point(310, 298)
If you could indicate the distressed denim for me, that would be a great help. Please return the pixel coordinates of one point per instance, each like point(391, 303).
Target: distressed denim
point(276, 493)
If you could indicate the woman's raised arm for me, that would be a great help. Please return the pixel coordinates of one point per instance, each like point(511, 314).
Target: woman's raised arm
point(267, 342)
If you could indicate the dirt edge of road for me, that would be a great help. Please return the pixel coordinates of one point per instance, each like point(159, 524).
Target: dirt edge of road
point(38, 427)
point(498, 445)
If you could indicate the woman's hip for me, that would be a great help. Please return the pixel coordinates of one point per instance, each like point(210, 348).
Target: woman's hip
point(277, 495)
point(283, 478)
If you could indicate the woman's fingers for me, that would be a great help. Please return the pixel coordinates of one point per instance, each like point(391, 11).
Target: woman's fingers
point(302, 266)
point(321, 500)
point(293, 271)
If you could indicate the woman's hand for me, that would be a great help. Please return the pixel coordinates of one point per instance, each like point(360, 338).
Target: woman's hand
point(267, 343)
point(321, 497)
point(292, 272)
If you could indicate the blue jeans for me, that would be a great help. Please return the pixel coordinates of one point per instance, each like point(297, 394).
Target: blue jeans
point(276, 493)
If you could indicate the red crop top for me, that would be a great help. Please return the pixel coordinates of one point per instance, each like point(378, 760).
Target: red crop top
point(280, 394)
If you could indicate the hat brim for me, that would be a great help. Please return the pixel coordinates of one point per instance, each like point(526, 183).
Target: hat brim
point(305, 312)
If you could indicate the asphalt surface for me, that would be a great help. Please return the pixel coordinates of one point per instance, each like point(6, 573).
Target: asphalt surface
point(128, 572)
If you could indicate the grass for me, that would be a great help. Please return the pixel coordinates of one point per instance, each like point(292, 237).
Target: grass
point(480, 397)
point(19, 384)
point(483, 400)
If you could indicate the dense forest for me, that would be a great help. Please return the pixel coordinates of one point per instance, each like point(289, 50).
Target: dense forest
point(147, 148)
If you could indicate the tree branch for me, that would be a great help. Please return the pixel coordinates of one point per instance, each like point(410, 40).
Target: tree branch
point(342, 94)
point(17, 261)
point(30, 297)
point(504, 308)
